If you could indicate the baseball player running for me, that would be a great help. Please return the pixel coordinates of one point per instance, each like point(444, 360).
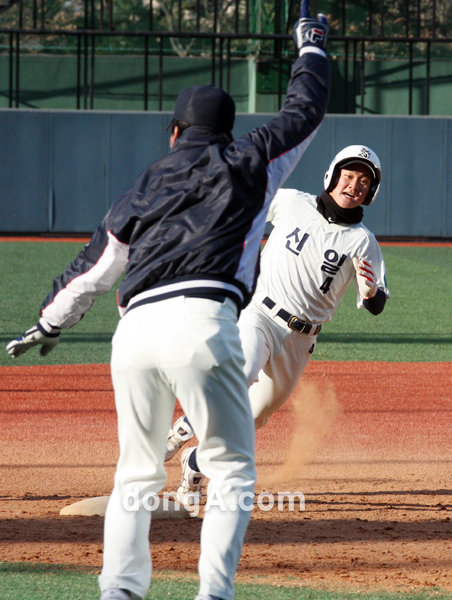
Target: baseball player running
point(317, 247)
point(187, 234)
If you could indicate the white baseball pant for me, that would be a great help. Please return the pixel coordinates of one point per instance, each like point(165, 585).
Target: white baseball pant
point(275, 358)
point(190, 349)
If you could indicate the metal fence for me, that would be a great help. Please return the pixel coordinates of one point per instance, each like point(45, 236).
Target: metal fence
point(363, 35)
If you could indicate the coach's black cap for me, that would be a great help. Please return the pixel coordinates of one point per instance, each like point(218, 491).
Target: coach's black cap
point(206, 105)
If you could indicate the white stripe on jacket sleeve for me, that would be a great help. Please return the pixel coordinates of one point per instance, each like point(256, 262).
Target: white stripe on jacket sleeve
point(72, 302)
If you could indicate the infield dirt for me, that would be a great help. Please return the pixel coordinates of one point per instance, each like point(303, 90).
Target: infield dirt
point(368, 444)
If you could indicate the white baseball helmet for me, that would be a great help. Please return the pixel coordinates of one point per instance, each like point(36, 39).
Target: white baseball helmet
point(353, 154)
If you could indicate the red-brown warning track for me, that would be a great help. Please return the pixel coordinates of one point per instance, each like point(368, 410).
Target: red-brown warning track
point(368, 444)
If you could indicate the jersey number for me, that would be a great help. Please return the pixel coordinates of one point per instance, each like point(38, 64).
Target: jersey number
point(331, 265)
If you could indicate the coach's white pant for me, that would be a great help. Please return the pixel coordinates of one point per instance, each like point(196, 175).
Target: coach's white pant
point(275, 358)
point(190, 349)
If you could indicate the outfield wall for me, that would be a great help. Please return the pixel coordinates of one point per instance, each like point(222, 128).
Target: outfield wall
point(61, 170)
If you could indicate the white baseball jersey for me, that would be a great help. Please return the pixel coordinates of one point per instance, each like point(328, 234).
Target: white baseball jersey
point(306, 268)
point(307, 261)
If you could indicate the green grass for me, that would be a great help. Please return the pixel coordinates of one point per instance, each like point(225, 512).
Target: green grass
point(25, 581)
point(416, 324)
point(27, 272)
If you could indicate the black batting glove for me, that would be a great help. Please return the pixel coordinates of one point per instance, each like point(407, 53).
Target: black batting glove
point(311, 32)
point(43, 334)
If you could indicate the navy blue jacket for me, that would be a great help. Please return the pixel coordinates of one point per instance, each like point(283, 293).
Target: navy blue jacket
point(194, 220)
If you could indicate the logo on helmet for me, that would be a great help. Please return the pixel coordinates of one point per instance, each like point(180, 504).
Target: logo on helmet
point(364, 153)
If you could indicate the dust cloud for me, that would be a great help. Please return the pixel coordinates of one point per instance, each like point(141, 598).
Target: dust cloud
point(315, 409)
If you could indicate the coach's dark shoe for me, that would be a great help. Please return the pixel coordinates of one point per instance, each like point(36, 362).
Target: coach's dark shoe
point(115, 594)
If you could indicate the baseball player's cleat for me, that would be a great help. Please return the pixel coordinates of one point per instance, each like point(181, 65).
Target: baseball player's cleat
point(115, 594)
point(204, 597)
point(179, 433)
point(189, 490)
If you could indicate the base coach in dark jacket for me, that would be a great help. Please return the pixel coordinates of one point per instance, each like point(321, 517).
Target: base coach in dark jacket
point(187, 235)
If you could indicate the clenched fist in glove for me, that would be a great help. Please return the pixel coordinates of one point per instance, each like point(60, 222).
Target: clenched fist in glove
point(311, 32)
point(42, 334)
point(366, 278)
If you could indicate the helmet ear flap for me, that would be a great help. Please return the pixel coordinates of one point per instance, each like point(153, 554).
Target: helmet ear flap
point(334, 179)
point(372, 193)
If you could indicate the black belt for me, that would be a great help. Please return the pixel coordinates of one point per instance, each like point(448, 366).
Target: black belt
point(293, 322)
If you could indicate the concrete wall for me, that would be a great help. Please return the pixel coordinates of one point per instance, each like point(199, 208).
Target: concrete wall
point(61, 170)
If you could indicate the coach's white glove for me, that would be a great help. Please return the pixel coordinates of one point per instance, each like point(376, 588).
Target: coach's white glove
point(43, 334)
point(367, 280)
point(311, 32)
